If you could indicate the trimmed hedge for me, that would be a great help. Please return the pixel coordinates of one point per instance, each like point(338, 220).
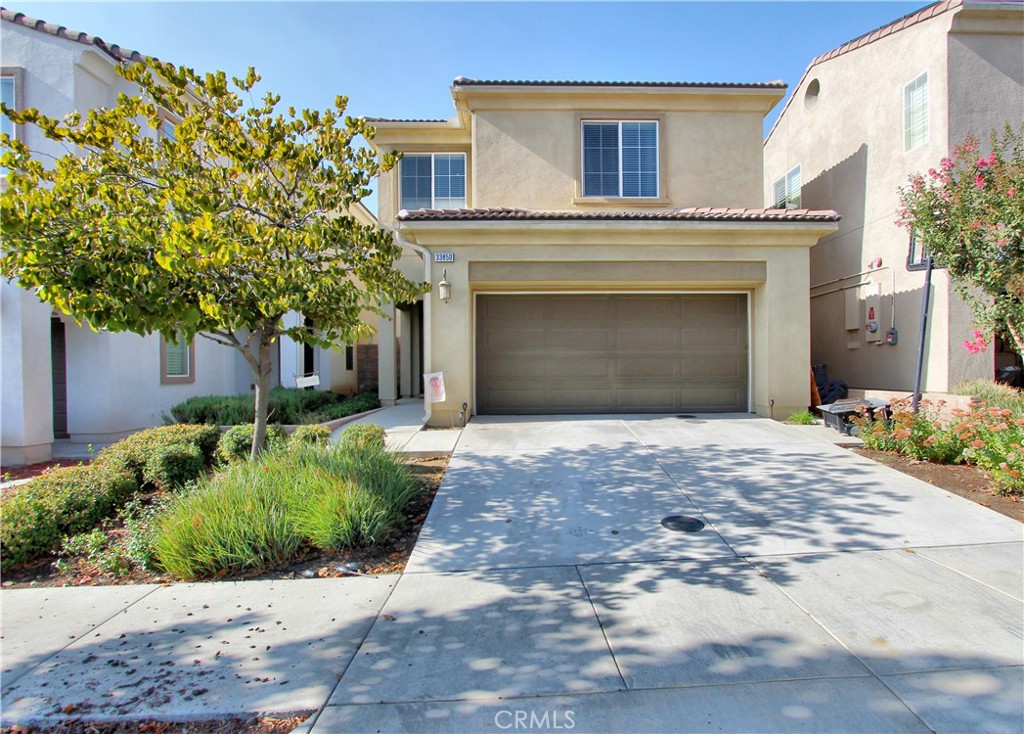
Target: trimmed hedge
point(35, 516)
point(287, 406)
point(132, 454)
point(315, 434)
point(236, 443)
point(363, 436)
point(60, 502)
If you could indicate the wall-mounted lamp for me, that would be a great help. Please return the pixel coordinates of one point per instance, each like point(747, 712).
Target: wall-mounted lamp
point(444, 288)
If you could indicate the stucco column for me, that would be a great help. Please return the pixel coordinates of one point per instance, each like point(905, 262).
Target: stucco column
point(26, 424)
point(386, 377)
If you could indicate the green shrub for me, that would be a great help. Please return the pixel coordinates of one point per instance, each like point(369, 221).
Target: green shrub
point(359, 403)
point(993, 439)
point(993, 394)
point(922, 435)
point(362, 435)
point(60, 502)
point(291, 406)
point(236, 443)
point(260, 513)
point(171, 465)
point(802, 418)
point(132, 454)
point(312, 434)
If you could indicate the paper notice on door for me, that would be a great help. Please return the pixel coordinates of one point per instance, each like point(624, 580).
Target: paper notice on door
point(435, 386)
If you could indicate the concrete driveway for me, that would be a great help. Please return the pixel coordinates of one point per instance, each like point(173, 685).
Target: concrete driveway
point(824, 592)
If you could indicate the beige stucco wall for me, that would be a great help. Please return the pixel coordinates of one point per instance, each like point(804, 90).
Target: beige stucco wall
point(768, 263)
point(523, 145)
point(850, 149)
point(531, 159)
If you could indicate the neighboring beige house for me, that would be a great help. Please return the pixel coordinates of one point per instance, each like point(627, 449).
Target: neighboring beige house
point(598, 247)
point(863, 118)
point(63, 383)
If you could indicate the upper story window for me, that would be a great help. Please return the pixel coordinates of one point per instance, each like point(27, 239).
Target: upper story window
point(915, 113)
point(7, 95)
point(433, 181)
point(786, 191)
point(620, 158)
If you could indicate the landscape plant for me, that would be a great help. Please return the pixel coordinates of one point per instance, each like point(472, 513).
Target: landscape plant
point(262, 513)
point(286, 405)
point(218, 225)
point(988, 437)
point(968, 213)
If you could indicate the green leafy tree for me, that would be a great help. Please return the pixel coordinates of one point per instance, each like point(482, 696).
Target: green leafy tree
point(217, 226)
point(969, 214)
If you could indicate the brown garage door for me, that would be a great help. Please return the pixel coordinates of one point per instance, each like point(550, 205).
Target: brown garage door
point(611, 353)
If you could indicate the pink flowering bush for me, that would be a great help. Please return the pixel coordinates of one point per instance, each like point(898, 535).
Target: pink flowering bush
point(986, 436)
point(969, 214)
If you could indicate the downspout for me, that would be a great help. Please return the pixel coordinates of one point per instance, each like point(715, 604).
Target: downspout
point(425, 254)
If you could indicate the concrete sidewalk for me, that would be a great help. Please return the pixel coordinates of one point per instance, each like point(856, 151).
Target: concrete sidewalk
point(404, 433)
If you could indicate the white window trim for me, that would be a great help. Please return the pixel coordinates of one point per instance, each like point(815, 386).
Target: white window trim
point(433, 178)
point(583, 159)
point(788, 194)
point(927, 112)
point(16, 73)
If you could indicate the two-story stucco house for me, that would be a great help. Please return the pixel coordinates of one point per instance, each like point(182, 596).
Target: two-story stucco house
point(598, 247)
point(863, 119)
point(64, 382)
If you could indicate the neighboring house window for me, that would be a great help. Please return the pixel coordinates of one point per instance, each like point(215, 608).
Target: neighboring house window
point(915, 113)
point(7, 95)
point(177, 361)
point(433, 181)
point(620, 158)
point(786, 191)
point(917, 256)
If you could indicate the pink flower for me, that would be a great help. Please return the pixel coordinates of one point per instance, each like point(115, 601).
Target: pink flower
point(1002, 242)
point(968, 147)
point(1011, 191)
point(982, 163)
point(979, 181)
point(978, 345)
point(946, 163)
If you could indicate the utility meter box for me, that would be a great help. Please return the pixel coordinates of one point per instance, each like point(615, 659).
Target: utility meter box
point(873, 331)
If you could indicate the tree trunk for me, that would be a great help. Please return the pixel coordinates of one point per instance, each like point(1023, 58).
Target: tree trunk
point(1018, 338)
point(263, 370)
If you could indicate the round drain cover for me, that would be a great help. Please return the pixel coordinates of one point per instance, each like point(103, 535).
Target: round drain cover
point(682, 524)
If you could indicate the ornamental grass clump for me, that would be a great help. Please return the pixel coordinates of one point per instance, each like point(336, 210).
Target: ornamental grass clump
point(263, 513)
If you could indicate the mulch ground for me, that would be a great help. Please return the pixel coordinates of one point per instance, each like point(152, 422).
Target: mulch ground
point(255, 725)
point(7, 473)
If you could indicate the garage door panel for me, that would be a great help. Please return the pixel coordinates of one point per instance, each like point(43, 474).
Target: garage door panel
point(657, 368)
point(711, 337)
point(611, 353)
point(648, 339)
point(565, 338)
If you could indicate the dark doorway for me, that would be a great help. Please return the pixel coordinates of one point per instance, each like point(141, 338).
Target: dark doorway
point(58, 354)
point(308, 352)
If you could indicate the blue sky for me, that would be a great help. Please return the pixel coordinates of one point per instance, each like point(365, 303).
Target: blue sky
point(398, 59)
